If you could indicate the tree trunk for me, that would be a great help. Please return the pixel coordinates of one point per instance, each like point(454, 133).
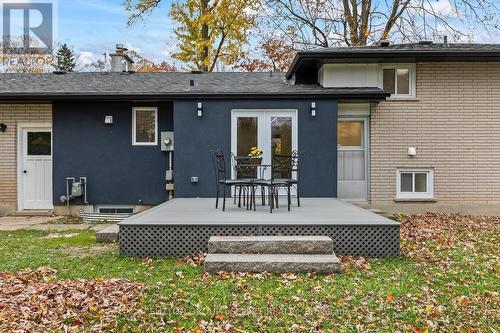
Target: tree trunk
point(204, 38)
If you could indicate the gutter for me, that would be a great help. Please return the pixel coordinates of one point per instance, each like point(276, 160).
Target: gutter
point(168, 97)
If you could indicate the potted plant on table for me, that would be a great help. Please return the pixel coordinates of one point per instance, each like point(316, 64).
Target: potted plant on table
point(255, 156)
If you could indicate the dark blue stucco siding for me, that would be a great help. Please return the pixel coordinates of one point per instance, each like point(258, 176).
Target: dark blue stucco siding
point(195, 137)
point(117, 172)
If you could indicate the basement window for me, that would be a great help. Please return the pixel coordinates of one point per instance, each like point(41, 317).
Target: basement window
point(112, 209)
point(399, 80)
point(415, 184)
point(144, 126)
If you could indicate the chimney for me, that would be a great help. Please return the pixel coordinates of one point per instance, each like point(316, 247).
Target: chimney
point(120, 61)
point(445, 41)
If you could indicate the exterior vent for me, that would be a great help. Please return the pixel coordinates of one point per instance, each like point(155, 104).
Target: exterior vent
point(59, 72)
point(445, 41)
point(425, 42)
point(383, 43)
point(196, 72)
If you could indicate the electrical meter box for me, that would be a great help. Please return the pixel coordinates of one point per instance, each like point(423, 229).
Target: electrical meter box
point(167, 141)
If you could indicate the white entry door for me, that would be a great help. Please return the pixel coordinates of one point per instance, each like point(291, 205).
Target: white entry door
point(273, 131)
point(352, 160)
point(35, 168)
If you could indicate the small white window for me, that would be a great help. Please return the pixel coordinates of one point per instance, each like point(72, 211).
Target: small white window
point(145, 126)
point(399, 80)
point(415, 184)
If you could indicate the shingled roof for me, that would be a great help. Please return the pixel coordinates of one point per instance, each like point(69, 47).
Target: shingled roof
point(165, 85)
point(412, 52)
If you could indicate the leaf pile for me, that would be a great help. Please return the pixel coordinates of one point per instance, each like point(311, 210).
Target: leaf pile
point(422, 227)
point(424, 234)
point(32, 300)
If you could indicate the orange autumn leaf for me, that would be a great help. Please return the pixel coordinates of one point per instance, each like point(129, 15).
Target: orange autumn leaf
point(219, 316)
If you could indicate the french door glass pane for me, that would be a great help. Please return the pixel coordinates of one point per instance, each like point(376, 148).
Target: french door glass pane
point(247, 135)
point(421, 182)
point(281, 135)
point(406, 182)
point(390, 80)
point(39, 143)
point(403, 81)
point(350, 133)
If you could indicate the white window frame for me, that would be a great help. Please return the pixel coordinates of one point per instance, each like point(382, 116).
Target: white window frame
point(415, 195)
point(412, 91)
point(134, 113)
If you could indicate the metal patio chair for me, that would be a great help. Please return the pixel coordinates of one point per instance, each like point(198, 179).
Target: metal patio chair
point(281, 177)
point(296, 156)
point(219, 162)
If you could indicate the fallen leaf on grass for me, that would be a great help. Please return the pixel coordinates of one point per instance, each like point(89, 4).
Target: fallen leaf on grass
point(219, 316)
point(33, 300)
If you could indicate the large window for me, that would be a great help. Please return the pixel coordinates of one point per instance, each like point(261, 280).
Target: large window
point(399, 80)
point(145, 126)
point(415, 184)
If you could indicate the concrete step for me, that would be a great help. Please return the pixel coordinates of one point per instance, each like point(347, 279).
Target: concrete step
point(274, 263)
point(108, 234)
point(271, 244)
point(33, 212)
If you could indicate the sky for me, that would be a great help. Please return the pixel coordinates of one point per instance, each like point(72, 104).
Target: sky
point(92, 27)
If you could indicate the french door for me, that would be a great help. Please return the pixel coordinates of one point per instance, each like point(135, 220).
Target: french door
point(273, 131)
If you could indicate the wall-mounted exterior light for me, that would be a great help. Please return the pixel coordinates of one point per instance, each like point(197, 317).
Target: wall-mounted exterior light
point(3, 127)
point(412, 151)
point(108, 120)
point(200, 109)
point(313, 109)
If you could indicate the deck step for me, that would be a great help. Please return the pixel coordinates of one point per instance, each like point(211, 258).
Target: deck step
point(108, 235)
point(270, 245)
point(34, 212)
point(273, 263)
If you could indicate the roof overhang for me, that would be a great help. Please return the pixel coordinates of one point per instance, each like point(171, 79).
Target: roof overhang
point(339, 94)
point(306, 61)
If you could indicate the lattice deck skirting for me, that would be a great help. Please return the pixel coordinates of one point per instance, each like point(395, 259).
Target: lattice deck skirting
point(375, 241)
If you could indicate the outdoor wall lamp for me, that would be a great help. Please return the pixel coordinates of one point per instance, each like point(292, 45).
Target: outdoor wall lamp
point(200, 109)
point(313, 109)
point(3, 127)
point(108, 120)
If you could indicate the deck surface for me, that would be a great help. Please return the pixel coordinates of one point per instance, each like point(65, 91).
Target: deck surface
point(201, 211)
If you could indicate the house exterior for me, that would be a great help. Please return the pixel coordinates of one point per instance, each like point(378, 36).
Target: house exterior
point(409, 127)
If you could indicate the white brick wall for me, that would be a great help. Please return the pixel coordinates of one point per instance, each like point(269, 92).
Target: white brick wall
point(455, 125)
point(11, 114)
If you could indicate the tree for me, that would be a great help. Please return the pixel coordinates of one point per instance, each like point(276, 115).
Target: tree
point(142, 64)
point(65, 59)
point(326, 23)
point(274, 54)
point(29, 61)
point(208, 31)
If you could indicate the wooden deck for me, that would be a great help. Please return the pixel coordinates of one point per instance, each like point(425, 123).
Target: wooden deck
point(183, 226)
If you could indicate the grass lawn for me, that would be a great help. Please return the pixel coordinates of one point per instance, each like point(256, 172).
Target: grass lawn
point(444, 281)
